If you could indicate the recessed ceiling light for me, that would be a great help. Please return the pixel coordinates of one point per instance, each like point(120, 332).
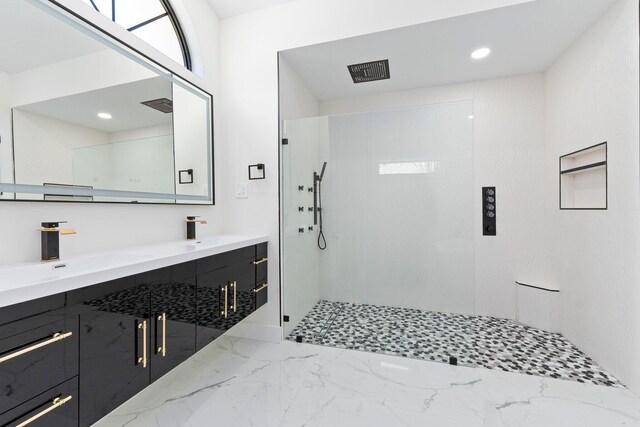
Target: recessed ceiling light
point(483, 52)
point(105, 116)
point(471, 116)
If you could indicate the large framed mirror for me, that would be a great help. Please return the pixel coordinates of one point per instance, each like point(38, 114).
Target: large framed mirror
point(85, 118)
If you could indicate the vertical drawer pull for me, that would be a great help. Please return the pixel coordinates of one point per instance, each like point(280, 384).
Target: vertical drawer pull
point(143, 359)
point(163, 346)
point(226, 301)
point(264, 285)
point(260, 261)
point(58, 336)
point(55, 403)
point(235, 296)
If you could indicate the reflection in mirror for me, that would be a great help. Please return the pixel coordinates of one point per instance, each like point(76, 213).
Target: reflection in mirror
point(85, 119)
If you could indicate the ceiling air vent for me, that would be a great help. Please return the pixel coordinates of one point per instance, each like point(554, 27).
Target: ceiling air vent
point(161, 104)
point(370, 71)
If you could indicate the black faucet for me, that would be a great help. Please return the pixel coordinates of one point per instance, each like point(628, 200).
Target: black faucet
point(191, 226)
point(50, 238)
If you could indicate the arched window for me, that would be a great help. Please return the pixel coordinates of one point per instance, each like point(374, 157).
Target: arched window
point(152, 20)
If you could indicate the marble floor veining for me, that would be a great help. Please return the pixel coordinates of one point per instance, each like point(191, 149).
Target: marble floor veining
point(241, 382)
point(489, 342)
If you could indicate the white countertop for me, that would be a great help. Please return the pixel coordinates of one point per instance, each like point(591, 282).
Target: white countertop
point(24, 282)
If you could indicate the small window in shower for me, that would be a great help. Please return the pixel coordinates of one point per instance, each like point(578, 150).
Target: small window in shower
point(401, 168)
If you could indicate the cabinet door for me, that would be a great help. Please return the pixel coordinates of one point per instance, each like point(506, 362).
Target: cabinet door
point(212, 296)
point(57, 407)
point(173, 317)
point(242, 278)
point(114, 345)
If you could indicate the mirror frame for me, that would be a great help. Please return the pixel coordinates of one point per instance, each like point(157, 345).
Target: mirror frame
point(63, 13)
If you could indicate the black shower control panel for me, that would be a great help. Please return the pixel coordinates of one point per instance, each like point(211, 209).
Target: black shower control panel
point(488, 211)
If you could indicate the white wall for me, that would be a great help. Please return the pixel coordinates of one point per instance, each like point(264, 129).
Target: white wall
point(592, 97)
point(508, 133)
point(249, 123)
point(109, 226)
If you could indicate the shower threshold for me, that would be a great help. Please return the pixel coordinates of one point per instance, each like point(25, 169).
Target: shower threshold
point(475, 341)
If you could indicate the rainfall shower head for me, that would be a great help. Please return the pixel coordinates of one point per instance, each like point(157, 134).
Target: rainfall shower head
point(370, 71)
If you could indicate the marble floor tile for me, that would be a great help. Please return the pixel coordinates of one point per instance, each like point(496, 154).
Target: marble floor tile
point(240, 382)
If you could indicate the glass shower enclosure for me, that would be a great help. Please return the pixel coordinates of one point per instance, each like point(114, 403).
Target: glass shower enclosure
point(396, 208)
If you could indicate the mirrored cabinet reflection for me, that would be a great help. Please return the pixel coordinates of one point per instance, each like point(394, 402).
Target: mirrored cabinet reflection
point(78, 134)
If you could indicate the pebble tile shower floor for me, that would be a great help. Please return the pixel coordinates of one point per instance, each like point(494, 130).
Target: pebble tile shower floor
point(474, 340)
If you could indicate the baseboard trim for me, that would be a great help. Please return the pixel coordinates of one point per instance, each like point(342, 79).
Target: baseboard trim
point(256, 331)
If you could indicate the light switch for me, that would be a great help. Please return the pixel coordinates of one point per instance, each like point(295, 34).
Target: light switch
point(242, 190)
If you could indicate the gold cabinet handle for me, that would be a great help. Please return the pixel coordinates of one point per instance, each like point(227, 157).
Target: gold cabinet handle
point(55, 403)
point(58, 336)
point(226, 300)
point(260, 261)
point(264, 285)
point(235, 296)
point(163, 346)
point(143, 359)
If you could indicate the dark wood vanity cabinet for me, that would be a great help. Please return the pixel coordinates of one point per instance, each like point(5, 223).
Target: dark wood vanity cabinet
point(228, 290)
point(83, 353)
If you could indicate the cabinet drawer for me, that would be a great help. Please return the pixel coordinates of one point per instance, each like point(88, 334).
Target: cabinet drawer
point(218, 261)
point(29, 308)
point(261, 261)
point(57, 407)
point(261, 291)
point(37, 360)
point(261, 250)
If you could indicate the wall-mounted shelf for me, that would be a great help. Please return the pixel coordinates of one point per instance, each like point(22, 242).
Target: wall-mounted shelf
point(585, 168)
point(583, 178)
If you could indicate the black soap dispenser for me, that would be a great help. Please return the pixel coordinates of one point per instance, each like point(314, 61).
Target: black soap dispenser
point(50, 239)
point(191, 226)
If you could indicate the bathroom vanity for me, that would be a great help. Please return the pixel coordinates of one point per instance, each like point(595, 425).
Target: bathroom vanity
point(70, 356)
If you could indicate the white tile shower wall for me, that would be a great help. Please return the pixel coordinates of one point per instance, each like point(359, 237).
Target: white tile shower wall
point(591, 97)
point(508, 132)
point(401, 240)
point(105, 226)
point(249, 124)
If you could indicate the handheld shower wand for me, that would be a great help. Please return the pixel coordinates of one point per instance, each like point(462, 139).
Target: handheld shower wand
point(317, 211)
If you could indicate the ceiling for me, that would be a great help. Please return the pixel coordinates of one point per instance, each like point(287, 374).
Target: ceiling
point(121, 101)
point(525, 38)
point(37, 38)
point(228, 8)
